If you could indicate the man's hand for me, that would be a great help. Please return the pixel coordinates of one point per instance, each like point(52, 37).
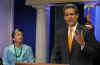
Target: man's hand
point(79, 37)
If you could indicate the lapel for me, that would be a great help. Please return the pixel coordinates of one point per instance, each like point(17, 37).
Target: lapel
point(66, 41)
point(78, 27)
point(74, 42)
point(67, 55)
point(11, 48)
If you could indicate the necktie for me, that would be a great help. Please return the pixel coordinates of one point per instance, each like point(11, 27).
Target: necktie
point(70, 40)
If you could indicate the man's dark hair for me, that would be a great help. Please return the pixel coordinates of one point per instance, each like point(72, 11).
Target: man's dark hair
point(66, 6)
point(16, 30)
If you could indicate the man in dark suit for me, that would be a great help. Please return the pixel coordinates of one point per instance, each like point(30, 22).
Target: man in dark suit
point(74, 45)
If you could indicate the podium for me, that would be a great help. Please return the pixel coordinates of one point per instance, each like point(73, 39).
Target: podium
point(37, 64)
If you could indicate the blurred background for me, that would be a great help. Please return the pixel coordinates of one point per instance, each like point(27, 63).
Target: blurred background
point(40, 19)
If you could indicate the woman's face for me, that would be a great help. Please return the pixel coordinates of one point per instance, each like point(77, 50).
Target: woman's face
point(18, 38)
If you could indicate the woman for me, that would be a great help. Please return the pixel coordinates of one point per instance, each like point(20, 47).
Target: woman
point(17, 52)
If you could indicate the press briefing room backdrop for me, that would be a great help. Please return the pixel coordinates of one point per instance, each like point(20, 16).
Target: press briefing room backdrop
point(24, 17)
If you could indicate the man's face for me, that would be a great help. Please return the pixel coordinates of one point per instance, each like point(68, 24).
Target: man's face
point(18, 38)
point(70, 16)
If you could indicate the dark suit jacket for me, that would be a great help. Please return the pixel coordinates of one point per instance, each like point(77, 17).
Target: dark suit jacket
point(60, 53)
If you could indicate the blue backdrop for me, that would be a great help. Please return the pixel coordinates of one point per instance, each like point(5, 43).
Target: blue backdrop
point(25, 18)
point(97, 24)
